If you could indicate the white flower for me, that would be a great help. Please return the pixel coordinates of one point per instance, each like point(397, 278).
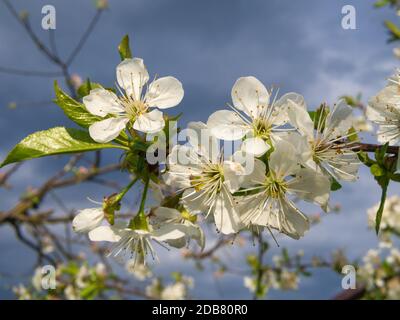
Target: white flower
point(22, 292)
point(71, 293)
point(390, 216)
point(270, 205)
point(384, 110)
point(176, 291)
point(37, 279)
point(207, 180)
point(87, 219)
point(253, 116)
point(100, 269)
point(132, 106)
point(82, 276)
point(139, 271)
point(137, 242)
point(361, 124)
point(249, 283)
point(325, 149)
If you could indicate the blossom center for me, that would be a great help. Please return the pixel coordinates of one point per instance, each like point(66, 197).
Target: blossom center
point(211, 178)
point(275, 187)
point(134, 108)
point(262, 128)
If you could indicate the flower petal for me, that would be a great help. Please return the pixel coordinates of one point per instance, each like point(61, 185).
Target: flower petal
point(249, 95)
point(339, 121)
point(311, 186)
point(87, 219)
point(202, 141)
point(165, 93)
point(167, 232)
point(194, 201)
point(255, 146)
point(132, 76)
point(150, 122)
point(164, 213)
point(255, 176)
point(104, 233)
point(294, 224)
point(108, 129)
point(281, 106)
point(300, 119)
point(233, 175)
point(226, 217)
point(101, 102)
point(227, 125)
point(284, 161)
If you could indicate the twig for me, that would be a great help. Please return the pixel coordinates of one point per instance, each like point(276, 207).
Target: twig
point(85, 36)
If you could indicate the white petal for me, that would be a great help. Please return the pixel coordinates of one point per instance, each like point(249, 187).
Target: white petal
point(185, 160)
point(300, 119)
point(226, 217)
point(163, 213)
point(233, 175)
point(300, 143)
point(200, 138)
point(249, 95)
point(294, 224)
point(281, 106)
point(339, 121)
point(255, 176)
point(150, 122)
point(164, 93)
point(284, 161)
point(168, 232)
point(101, 102)
point(108, 129)
point(374, 114)
point(132, 76)
point(227, 125)
point(104, 233)
point(194, 201)
point(311, 186)
point(256, 146)
point(87, 219)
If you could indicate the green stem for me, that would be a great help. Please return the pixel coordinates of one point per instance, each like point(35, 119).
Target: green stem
point(258, 291)
point(140, 220)
point(381, 207)
point(144, 195)
point(126, 189)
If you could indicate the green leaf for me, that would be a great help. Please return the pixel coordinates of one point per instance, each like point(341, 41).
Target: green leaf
point(76, 111)
point(54, 141)
point(124, 49)
point(319, 116)
point(85, 88)
point(381, 3)
point(335, 185)
point(395, 177)
point(364, 158)
point(393, 30)
point(377, 170)
point(380, 153)
point(352, 135)
point(73, 109)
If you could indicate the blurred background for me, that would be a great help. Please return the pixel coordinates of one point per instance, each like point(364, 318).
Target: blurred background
point(297, 46)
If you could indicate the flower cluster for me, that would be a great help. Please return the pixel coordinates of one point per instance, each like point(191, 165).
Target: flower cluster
point(285, 153)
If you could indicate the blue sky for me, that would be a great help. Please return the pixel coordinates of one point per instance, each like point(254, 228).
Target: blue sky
point(297, 45)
